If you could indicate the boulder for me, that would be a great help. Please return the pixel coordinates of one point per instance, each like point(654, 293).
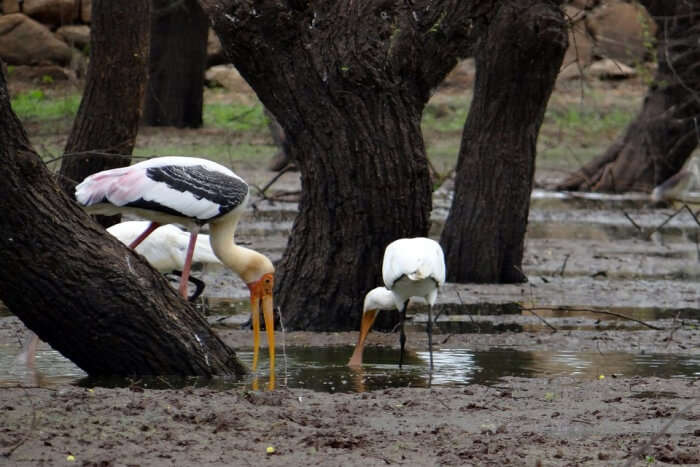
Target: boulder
point(43, 74)
point(579, 54)
point(85, 10)
point(215, 53)
point(584, 4)
point(10, 6)
point(608, 69)
point(77, 35)
point(23, 41)
point(228, 77)
point(461, 77)
point(622, 31)
point(53, 12)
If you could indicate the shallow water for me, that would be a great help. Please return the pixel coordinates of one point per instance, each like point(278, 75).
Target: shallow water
point(323, 369)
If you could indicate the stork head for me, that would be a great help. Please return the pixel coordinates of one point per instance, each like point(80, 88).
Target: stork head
point(379, 298)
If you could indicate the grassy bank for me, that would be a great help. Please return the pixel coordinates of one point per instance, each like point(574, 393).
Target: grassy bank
point(579, 124)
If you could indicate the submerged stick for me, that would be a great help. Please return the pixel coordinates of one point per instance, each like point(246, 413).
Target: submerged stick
point(602, 312)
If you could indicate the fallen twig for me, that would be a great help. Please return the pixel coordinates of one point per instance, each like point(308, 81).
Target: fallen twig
point(629, 218)
point(532, 307)
point(563, 266)
point(603, 312)
point(278, 175)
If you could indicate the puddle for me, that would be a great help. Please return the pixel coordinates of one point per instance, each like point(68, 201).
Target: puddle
point(489, 318)
point(323, 369)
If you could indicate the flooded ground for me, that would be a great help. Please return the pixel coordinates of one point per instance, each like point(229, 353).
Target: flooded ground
point(583, 365)
point(595, 361)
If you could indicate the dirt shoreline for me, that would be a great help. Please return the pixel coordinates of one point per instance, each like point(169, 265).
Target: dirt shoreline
point(558, 420)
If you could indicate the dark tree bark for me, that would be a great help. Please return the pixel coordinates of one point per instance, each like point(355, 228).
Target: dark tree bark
point(517, 61)
point(664, 134)
point(348, 81)
point(97, 302)
point(174, 96)
point(110, 110)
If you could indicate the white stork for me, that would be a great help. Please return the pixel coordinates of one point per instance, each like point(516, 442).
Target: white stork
point(412, 267)
point(166, 247)
point(191, 192)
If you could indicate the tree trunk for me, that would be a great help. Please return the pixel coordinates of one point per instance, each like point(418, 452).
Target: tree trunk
point(174, 96)
point(664, 134)
point(517, 62)
point(348, 81)
point(82, 291)
point(110, 110)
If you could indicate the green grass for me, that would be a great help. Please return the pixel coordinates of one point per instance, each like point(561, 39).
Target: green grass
point(573, 131)
point(36, 105)
point(446, 116)
point(588, 121)
point(235, 117)
point(218, 152)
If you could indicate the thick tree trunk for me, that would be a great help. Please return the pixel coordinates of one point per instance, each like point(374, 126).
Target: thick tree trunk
point(178, 57)
point(348, 81)
point(110, 110)
point(94, 300)
point(664, 134)
point(517, 62)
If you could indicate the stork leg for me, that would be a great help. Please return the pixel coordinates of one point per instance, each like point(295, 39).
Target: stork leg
point(430, 336)
point(153, 226)
point(188, 265)
point(198, 284)
point(402, 338)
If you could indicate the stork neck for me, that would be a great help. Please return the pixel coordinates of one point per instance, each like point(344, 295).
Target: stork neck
point(248, 264)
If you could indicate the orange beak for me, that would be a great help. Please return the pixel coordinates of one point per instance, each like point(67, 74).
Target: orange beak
point(261, 296)
point(368, 318)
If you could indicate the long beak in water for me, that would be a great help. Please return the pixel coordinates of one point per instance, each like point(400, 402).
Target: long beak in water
point(368, 318)
point(261, 293)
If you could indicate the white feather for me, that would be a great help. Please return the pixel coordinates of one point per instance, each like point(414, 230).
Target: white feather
point(166, 247)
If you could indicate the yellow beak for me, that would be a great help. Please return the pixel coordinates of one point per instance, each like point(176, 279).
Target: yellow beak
point(261, 293)
point(368, 318)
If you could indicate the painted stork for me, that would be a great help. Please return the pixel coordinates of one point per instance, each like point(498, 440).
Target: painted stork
point(191, 192)
point(412, 267)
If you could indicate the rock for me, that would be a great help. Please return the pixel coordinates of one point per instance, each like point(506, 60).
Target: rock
point(43, 74)
point(10, 6)
point(215, 53)
point(584, 4)
point(622, 31)
point(228, 77)
point(611, 69)
point(77, 35)
point(461, 77)
point(580, 52)
point(52, 12)
point(23, 41)
point(85, 10)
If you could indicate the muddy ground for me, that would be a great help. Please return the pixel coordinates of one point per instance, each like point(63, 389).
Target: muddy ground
point(557, 420)
point(519, 421)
